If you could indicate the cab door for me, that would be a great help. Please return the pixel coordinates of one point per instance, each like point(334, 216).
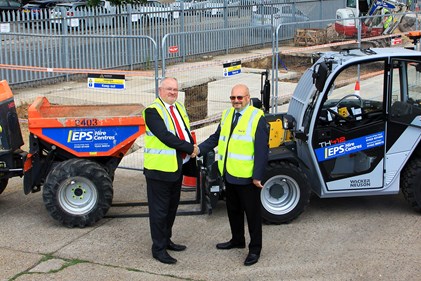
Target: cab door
point(349, 134)
point(404, 115)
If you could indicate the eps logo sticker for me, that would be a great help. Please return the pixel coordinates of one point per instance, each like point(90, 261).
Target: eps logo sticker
point(80, 136)
point(350, 146)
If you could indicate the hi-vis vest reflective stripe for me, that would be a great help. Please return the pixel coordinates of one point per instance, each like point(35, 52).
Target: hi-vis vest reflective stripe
point(157, 155)
point(240, 159)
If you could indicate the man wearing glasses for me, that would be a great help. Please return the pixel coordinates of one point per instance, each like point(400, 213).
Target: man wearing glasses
point(169, 147)
point(242, 139)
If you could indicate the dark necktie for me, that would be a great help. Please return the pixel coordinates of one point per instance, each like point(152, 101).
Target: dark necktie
point(178, 128)
point(234, 123)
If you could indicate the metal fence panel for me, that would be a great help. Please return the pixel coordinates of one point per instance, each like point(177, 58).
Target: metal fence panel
point(45, 38)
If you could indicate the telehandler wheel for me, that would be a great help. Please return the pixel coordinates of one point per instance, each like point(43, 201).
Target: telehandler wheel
point(3, 184)
point(78, 192)
point(285, 194)
point(411, 183)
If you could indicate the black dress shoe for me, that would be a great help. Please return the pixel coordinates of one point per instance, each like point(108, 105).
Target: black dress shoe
point(164, 257)
point(229, 245)
point(175, 247)
point(251, 259)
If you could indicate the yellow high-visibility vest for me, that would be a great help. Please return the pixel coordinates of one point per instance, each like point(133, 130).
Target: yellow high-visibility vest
point(240, 159)
point(389, 18)
point(157, 155)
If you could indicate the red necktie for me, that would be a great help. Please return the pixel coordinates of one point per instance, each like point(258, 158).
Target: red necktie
point(178, 127)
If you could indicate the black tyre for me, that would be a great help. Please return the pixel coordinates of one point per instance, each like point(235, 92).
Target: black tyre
point(286, 193)
point(411, 183)
point(3, 184)
point(78, 192)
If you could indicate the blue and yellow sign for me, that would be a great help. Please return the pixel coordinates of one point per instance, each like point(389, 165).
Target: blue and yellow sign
point(106, 81)
point(232, 68)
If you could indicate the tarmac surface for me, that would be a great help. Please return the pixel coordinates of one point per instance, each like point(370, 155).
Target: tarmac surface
point(360, 238)
point(363, 238)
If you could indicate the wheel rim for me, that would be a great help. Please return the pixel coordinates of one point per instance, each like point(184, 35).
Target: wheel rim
point(280, 195)
point(77, 195)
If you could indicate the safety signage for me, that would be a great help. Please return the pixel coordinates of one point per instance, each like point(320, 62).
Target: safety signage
point(4, 27)
point(232, 68)
point(396, 41)
point(106, 81)
point(173, 49)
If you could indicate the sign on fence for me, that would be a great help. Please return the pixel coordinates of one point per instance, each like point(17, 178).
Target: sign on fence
point(232, 68)
point(173, 49)
point(4, 27)
point(106, 81)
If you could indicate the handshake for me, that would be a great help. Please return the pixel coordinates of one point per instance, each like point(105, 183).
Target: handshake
point(196, 151)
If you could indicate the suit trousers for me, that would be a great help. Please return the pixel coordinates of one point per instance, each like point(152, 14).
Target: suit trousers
point(245, 199)
point(163, 200)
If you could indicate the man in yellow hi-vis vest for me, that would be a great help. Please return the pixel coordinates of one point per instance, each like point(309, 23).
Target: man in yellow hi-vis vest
point(387, 18)
point(242, 139)
point(169, 149)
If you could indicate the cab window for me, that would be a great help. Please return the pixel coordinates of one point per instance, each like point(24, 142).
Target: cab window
point(406, 92)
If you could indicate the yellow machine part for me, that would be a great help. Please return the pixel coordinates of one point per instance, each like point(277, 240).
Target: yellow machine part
point(343, 111)
point(277, 134)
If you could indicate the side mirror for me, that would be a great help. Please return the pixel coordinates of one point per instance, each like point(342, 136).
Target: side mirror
point(320, 74)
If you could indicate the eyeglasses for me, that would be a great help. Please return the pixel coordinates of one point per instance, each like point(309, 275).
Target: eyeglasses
point(236, 97)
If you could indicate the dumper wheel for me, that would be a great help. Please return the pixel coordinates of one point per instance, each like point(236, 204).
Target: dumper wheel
point(285, 194)
point(3, 184)
point(78, 192)
point(411, 183)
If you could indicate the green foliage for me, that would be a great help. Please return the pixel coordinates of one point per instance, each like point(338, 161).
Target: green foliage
point(93, 2)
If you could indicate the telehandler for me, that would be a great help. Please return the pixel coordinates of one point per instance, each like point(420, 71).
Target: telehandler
point(353, 128)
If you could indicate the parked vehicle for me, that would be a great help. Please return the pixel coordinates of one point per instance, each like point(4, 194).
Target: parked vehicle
point(7, 7)
point(36, 6)
point(80, 15)
point(347, 26)
point(154, 10)
point(186, 4)
point(278, 14)
point(217, 7)
point(199, 4)
point(38, 10)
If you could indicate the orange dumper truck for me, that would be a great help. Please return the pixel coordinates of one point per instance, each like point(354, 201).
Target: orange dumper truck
point(73, 153)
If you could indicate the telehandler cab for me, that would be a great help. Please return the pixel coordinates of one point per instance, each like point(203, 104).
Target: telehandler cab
point(353, 128)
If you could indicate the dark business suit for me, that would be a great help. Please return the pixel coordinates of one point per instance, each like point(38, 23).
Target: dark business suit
point(164, 188)
point(242, 196)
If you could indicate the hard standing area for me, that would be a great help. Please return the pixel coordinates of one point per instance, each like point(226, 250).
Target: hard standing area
point(371, 238)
